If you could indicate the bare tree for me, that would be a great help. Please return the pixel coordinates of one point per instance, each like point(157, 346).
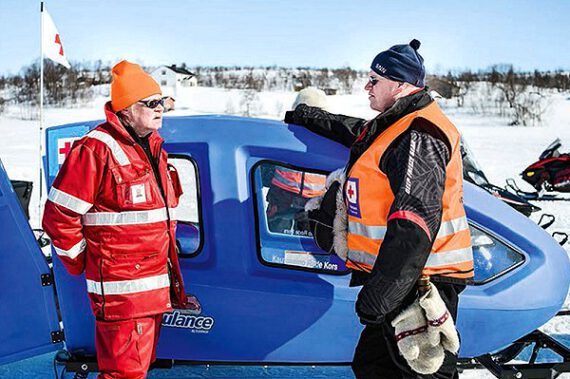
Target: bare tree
point(346, 77)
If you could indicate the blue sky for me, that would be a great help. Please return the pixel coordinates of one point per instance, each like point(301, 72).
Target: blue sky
point(318, 33)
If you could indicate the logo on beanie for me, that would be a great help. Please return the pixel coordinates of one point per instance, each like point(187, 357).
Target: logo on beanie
point(380, 68)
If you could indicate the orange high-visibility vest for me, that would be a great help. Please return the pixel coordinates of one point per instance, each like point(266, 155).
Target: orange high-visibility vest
point(303, 183)
point(368, 196)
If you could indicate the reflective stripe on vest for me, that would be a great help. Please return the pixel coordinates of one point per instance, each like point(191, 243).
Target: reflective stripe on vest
point(372, 232)
point(378, 232)
point(124, 287)
point(362, 257)
point(126, 218)
point(69, 201)
point(451, 257)
point(434, 260)
point(452, 226)
point(306, 184)
point(113, 145)
point(74, 251)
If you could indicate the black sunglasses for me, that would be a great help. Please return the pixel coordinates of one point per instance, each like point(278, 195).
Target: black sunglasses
point(152, 103)
point(373, 80)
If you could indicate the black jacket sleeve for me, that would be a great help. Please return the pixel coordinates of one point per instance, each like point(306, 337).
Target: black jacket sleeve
point(415, 165)
point(339, 128)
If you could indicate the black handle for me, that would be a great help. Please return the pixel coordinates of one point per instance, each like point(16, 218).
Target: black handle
point(550, 220)
point(564, 237)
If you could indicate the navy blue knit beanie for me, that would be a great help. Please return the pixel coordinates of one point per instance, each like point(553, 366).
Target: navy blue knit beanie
point(401, 63)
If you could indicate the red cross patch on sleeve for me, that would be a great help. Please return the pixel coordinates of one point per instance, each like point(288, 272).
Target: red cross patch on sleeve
point(352, 197)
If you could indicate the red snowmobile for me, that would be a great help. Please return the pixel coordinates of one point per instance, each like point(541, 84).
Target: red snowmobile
point(550, 175)
point(552, 170)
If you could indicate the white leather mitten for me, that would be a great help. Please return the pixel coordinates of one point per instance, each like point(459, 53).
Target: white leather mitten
point(441, 329)
point(414, 345)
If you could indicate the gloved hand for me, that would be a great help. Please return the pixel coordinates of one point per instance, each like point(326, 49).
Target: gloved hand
point(191, 306)
point(441, 330)
point(312, 97)
point(413, 342)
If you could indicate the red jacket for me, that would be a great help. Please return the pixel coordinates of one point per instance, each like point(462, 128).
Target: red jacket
point(107, 216)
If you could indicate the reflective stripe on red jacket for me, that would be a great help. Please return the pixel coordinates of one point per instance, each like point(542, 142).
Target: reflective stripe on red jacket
point(107, 216)
point(369, 198)
point(305, 184)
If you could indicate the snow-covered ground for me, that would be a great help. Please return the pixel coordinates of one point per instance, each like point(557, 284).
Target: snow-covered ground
point(503, 151)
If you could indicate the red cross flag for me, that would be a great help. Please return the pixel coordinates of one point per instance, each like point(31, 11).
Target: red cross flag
point(51, 41)
point(64, 147)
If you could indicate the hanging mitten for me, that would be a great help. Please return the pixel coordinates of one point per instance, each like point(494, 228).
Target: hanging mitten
point(412, 340)
point(441, 329)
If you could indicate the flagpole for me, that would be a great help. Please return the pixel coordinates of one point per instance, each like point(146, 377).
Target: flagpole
point(41, 112)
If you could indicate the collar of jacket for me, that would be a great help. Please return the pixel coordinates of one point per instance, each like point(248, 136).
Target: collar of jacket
point(120, 130)
point(402, 107)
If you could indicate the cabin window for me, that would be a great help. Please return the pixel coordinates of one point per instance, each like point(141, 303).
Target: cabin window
point(284, 236)
point(491, 257)
point(189, 234)
point(163, 82)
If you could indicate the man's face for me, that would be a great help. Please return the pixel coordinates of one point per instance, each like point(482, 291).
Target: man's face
point(383, 94)
point(144, 119)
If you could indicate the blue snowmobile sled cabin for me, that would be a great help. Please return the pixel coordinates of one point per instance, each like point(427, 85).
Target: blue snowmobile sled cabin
point(269, 295)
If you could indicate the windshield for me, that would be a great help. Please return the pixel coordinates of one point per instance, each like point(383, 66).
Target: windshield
point(472, 172)
point(552, 150)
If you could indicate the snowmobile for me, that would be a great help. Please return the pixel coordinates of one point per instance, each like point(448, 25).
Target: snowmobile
point(550, 175)
point(511, 195)
point(272, 297)
point(473, 173)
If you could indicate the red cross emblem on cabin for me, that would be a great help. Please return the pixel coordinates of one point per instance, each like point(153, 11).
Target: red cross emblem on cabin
point(63, 148)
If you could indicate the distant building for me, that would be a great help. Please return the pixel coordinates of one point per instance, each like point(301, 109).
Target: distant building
point(171, 78)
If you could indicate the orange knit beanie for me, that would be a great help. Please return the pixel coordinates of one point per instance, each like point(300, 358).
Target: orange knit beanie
point(130, 84)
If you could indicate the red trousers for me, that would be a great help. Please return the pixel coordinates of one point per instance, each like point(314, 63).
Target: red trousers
point(126, 348)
